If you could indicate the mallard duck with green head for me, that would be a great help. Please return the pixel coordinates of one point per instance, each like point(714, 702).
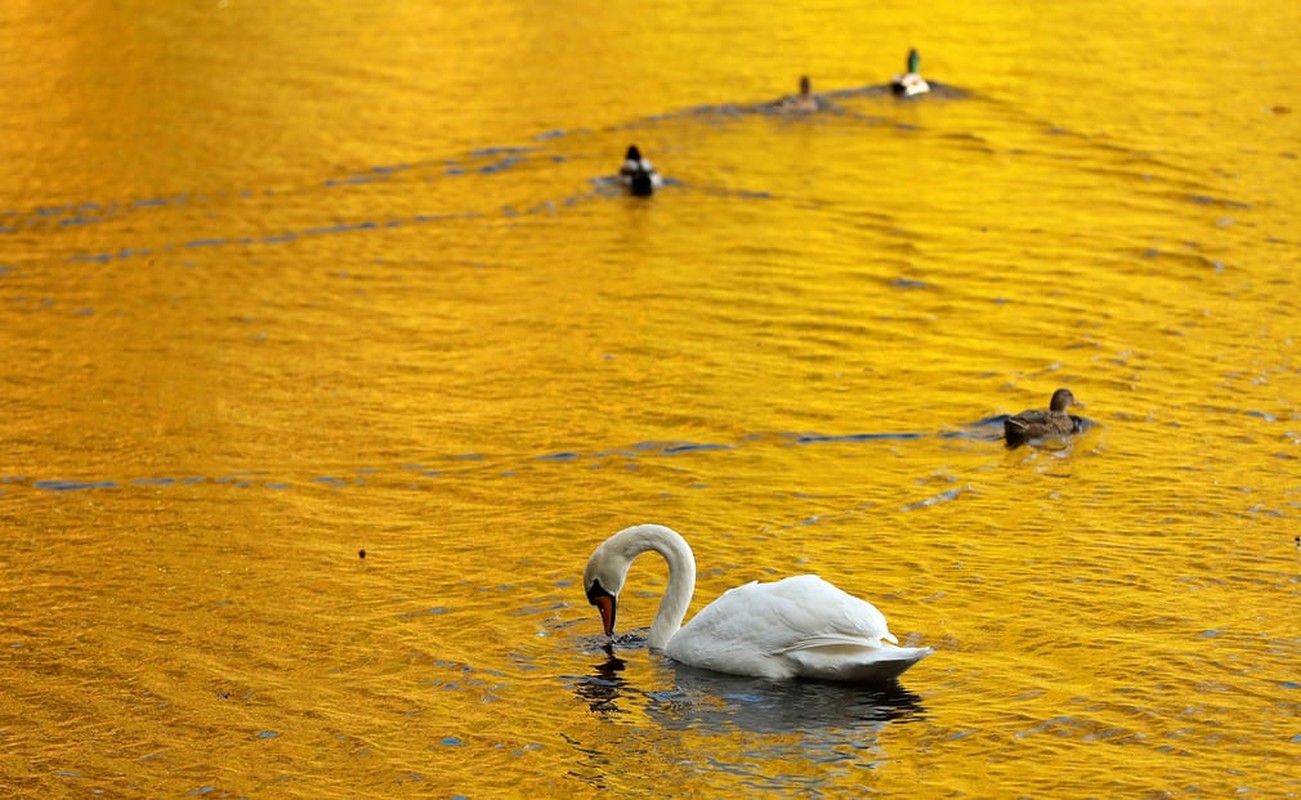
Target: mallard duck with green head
point(911, 83)
point(1037, 423)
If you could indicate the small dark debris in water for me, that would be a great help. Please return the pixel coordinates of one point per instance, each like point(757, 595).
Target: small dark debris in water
point(1281, 110)
point(361, 554)
point(908, 283)
point(816, 438)
point(566, 456)
point(694, 447)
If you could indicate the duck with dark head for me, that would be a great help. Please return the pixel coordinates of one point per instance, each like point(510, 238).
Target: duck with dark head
point(638, 175)
point(806, 102)
point(1037, 423)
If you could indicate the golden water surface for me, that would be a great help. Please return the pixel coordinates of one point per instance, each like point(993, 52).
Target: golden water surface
point(281, 283)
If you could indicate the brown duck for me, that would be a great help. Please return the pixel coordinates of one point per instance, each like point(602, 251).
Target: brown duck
point(806, 102)
point(1036, 423)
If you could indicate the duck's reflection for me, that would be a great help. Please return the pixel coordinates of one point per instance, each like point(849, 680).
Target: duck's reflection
point(701, 699)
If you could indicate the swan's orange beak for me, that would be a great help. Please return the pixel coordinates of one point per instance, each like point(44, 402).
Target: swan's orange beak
point(606, 604)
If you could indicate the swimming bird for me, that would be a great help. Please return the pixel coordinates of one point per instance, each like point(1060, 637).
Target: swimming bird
point(638, 175)
point(911, 83)
point(1036, 423)
point(800, 627)
point(803, 103)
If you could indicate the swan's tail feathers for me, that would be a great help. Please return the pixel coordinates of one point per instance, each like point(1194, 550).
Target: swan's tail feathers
point(890, 663)
point(864, 665)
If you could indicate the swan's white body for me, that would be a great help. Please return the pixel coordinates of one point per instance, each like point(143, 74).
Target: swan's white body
point(800, 627)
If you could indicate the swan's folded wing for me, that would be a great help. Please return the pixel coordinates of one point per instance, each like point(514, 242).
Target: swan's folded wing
point(809, 608)
point(830, 640)
point(785, 613)
point(861, 665)
point(757, 629)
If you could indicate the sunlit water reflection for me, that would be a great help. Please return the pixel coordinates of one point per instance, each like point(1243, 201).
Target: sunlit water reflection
point(280, 288)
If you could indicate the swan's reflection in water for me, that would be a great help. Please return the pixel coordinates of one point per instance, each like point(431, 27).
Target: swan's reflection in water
point(604, 686)
point(711, 701)
point(715, 732)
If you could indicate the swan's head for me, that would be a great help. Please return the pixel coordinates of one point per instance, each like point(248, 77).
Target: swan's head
point(606, 570)
point(806, 86)
point(1062, 400)
point(603, 580)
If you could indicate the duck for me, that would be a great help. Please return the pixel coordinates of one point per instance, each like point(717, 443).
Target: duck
point(803, 103)
point(800, 627)
point(638, 175)
point(1037, 423)
point(911, 83)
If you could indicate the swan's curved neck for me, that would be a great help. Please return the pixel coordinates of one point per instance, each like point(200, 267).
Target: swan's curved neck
point(634, 541)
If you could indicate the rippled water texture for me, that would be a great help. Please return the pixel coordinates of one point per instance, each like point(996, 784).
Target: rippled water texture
point(286, 283)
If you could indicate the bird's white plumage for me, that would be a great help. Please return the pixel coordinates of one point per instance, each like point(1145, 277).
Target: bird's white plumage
point(910, 85)
point(797, 627)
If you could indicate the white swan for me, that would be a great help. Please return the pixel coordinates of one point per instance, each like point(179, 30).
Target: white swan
point(800, 627)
